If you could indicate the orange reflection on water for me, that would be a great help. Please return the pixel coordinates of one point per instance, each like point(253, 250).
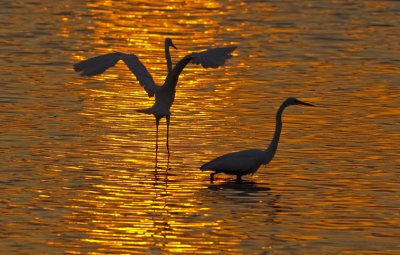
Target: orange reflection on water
point(123, 217)
point(142, 206)
point(78, 172)
point(155, 214)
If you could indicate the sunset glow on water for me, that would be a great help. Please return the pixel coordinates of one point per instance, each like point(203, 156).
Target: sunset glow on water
point(79, 171)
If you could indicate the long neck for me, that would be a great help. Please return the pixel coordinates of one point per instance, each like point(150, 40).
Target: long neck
point(172, 77)
point(168, 58)
point(278, 128)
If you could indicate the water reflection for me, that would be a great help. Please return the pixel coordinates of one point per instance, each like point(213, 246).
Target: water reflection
point(137, 212)
point(165, 94)
point(78, 163)
point(247, 188)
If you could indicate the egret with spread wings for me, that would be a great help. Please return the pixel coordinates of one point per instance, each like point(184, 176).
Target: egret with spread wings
point(165, 94)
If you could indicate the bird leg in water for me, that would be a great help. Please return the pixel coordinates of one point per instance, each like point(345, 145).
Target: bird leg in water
point(157, 124)
point(212, 177)
point(168, 120)
point(238, 178)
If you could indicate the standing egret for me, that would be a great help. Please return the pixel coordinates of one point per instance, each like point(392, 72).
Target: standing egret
point(248, 161)
point(165, 94)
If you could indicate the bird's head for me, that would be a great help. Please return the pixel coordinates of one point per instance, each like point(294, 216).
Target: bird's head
point(295, 101)
point(168, 42)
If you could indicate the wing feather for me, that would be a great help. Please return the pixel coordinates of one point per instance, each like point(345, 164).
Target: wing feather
point(98, 65)
point(241, 162)
point(213, 58)
point(142, 75)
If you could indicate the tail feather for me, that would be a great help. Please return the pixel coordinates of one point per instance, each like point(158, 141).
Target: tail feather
point(146, 111)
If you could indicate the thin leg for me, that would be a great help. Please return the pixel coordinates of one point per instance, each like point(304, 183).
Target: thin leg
point(212, 178)
point(168, 162)
point(238, 179)
point(157, 124)
point(168, 120)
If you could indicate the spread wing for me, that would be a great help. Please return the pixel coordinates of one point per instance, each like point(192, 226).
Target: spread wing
point(100, 64)
point(213, 58)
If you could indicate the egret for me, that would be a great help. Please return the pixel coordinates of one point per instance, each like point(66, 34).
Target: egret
point(165, 94)
point(168, 43)
point(247, 162)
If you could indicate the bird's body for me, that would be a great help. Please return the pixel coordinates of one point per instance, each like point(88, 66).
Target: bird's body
point(247, 162)
point(238, 163)
point(165, 94)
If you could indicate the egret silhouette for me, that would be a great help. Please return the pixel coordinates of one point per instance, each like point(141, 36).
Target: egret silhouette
point(248, 161)
point(168, 43)
point(165, 94)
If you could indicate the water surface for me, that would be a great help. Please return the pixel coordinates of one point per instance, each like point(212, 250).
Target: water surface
point(79, 174)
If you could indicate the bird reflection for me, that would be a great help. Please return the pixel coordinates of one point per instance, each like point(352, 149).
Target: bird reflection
point(156, 157)
point(165, 94)
point(248, 161)
point(161, 176)
point(256, 198)
point(160, 213)
point(246, 187)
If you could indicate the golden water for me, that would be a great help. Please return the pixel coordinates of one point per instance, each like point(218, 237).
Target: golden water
point(79, 175)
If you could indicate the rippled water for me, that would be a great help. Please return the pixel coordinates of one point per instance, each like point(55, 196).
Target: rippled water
point(79, 175)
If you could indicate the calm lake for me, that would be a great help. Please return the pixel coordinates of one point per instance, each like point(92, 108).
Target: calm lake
point(79, 173)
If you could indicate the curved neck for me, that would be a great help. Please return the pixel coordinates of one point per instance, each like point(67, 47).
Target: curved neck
point(278, 128)
point(168, 58)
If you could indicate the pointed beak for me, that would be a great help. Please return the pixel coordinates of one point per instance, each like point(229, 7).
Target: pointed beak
point(173, 46)
point(303, 103)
